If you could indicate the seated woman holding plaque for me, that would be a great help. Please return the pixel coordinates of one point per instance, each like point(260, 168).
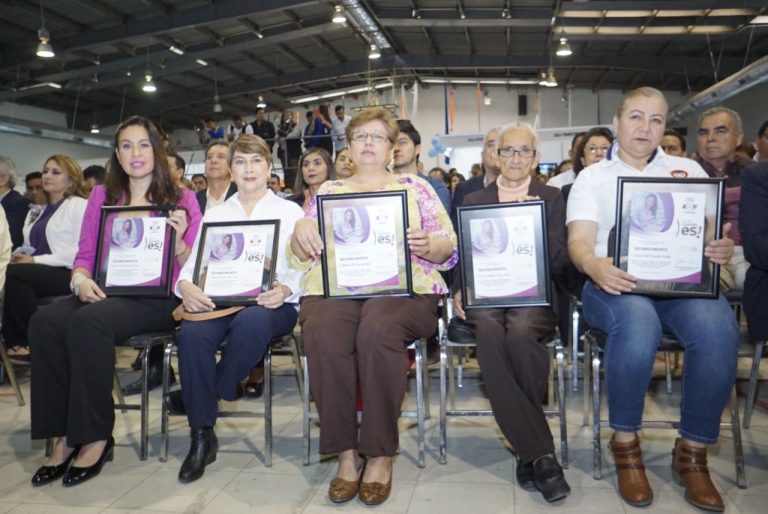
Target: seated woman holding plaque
point(248, 330)
point(351, 341)
point(706, 328)
point(51, 238)
point(315, 167)
point(514, 363)
point(73, 340)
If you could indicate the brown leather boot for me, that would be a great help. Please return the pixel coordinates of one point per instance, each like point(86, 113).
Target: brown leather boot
point(630, 472)
point(689, 469)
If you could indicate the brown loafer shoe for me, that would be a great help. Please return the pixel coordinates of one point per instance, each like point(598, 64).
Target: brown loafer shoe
point(689, 469)
point(630, 472)
point(375, 493)
point(341, 491)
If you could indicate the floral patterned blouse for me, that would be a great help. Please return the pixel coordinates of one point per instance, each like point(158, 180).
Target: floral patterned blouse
point(424, 210)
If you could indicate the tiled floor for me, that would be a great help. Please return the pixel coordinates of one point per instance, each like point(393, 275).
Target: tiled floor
point(478, 478)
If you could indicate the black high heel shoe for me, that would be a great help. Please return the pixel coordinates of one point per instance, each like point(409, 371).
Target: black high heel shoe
point(74, 475)
point(47, 474)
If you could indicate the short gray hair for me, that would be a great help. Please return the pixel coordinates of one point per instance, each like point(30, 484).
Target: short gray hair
point(8, 168)
point(735, 118)
point(518, 125)
point(488, 135)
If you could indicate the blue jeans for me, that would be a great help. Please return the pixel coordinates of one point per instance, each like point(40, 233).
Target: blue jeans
point(707, 330)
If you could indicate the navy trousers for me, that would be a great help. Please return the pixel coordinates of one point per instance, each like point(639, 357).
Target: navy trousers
point(248, 333)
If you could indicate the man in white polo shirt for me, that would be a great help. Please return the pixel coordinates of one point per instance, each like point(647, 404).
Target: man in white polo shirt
point(706, 328)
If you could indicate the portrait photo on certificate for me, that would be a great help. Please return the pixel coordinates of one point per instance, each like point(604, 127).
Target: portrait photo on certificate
point(135, 251)
point(503, 255)
point(365, 249)
point(234, 260)
point(662, 227)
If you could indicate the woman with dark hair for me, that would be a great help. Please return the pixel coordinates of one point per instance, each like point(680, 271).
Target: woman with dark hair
point(345, 168)
point(73, 339)
point(438, 172)
point(51, 237)
point(593, 148)
point(315, 167)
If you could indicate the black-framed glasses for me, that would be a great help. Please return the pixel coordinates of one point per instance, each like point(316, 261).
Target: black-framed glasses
point(510, 151)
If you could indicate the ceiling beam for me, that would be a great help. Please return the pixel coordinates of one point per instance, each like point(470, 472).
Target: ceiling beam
point(169, 21)
point(295, 56)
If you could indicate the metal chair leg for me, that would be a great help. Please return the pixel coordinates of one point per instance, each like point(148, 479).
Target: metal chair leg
point(144, 403)
point(560, 358)
point(575, 349)
point(753, 376)
point(738, 449)
point(11, 374)
point(419, 347)
point(163, 411)
point(118, 390)
point(668, 371)
point(587, 378)
point(444, 371)
point(597, 458)
point(268, 408)
point(306, 413)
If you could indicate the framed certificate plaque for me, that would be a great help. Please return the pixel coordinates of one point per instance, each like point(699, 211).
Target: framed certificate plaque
point(365, 252)
point(662, 227)
point(504, 255)
point(134, 251)
point(236, 260)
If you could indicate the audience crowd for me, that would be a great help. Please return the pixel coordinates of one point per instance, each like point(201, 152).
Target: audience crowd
point(58, 318)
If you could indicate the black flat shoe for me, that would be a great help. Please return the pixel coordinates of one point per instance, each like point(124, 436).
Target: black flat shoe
point(174, 403)
point(549, 479)
point(202, 451)
point(47, 474)
point(254, 389)
point(524, 474)
point(75, 475)
point(155, 379)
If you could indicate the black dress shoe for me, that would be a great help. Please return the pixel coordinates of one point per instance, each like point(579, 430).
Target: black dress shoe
point(549, 479)
point(74, 475)
point(524, 474)
point(48, 474)
point(202, 451)
point(154, 379)
point(174, 403)
point(254, 389)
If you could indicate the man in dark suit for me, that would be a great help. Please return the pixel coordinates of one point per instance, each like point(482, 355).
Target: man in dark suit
point(15, 205)
point(753, 223)
point(220, 185)
point(490, 159)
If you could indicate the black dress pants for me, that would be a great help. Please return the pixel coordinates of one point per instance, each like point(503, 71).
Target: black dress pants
point(73, 361)
point(25, 284)
point(515, 368)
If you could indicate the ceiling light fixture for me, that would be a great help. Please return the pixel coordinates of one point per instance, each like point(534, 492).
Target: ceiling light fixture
point(416, 14)
point(261, 104)
point(563, 49)
point(259, 34)
point(217, 108)
point(149, 85)
point(44, 48)
point(486, 99)
point(94, 129)
point(374, 53)
point(54, 85)
point(338, 14)
point(551, 79)
point(543, 78)
point(201, 62)
point(177, 50)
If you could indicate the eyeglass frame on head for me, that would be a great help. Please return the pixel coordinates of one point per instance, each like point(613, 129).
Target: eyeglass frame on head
point(518, 151)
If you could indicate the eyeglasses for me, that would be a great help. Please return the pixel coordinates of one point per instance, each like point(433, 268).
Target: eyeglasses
point(510, 151)
point(594, 149)
point(377, 137)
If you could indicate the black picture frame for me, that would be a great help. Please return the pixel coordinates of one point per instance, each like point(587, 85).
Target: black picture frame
point(243, 248)
point(109, 273)
point(491, 261)
point(359, 247)
point(666, 210)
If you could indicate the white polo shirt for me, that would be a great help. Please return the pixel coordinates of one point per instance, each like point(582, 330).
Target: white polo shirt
point(339, 135)
point(593, 195)
point(563, 179)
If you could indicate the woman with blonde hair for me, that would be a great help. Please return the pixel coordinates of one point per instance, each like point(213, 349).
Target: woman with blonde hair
point(42, 267)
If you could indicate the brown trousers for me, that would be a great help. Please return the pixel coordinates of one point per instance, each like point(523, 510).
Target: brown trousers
point(515, 367)
point(362, 341)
